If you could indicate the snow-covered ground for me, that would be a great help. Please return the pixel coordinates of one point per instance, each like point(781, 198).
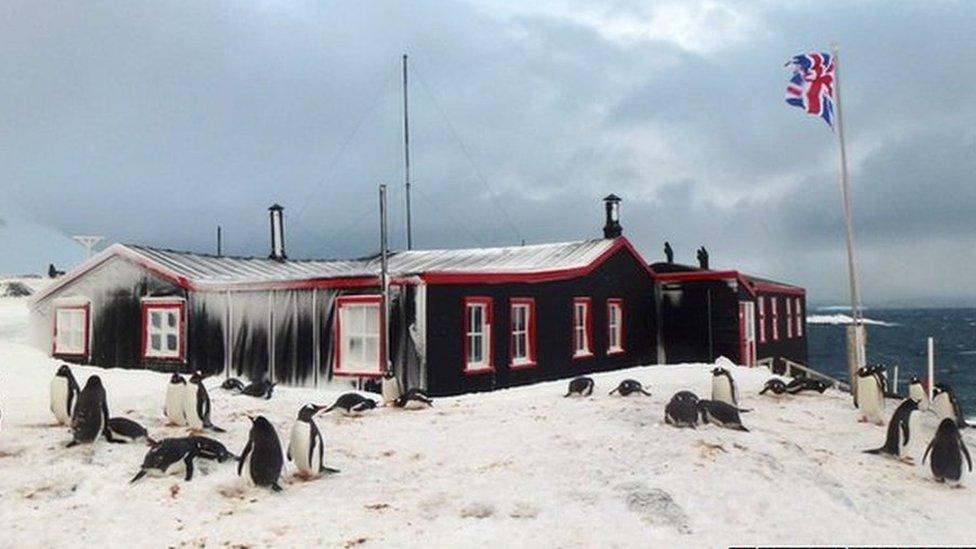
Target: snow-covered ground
point(516, 468)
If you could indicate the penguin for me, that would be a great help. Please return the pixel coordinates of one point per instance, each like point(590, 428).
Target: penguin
point(175, 395)
point(946, 405)
point(64, 394)
point(413, 398)
point(261, 458)
point(721, 413)
point(917, 392)
point(948, 449)
point(580, 386)
point(196, 405)
point(306, 445)
point(213, 450)
point(352, 404)
point(904, 425)
point(801, 384)
point(232, 384)
point(261, 388)
point(122, 429)
point(776, 386)
point(723, 387)
point(869, 394)
point(169, 456)
point(390, 388)
point(90, 416)
point(682, 410)
point(628, 387)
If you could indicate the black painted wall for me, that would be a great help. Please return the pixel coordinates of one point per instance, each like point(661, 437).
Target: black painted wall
point(700, 321)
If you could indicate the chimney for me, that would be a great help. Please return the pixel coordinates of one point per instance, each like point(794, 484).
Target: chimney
point(612, 229)
point(277, 215)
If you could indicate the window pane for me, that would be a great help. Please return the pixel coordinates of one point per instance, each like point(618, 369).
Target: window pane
point(154, 342)
point(171, 342)
point(476, 318)
point(171, 319)
point(372, 315)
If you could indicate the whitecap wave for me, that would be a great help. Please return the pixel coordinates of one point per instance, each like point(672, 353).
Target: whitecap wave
point(839, 319)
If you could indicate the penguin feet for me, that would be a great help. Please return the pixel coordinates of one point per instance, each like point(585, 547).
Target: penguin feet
point(907, 460)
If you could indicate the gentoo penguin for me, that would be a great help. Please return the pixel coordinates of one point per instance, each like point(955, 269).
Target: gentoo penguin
point(413, 398)
point(723, 387)
point(948, 449)
point(902, 431)
point(261, 388)
point(869, 393)
point(917, 392)
point(682, 411)
point(123, 429)
point(721, 413)
point(801, 384)
point(90, 417)
point(64, 394)
point(232, 384)
point(580, 386)
point(208, 448)
point(775, 386)
point(306, 445)
point(352, 403)
point(196, 405)
point(261, 458)
point(175, 395)
point(946, 406)
point(390, 388)
point(630, 386)
point(169, 456)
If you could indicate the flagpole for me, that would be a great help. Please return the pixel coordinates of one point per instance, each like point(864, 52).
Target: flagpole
point(859, 344)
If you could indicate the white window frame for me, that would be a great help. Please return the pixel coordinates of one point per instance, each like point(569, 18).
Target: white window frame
point(522, 333)
point(582, 324)
point(798, 311)
point(475, 332)
point(72, 326)
point(359, 318)
point(774, 301)
point(761, 302)
point(165, 308)
point(615, 328)
point(789, 318)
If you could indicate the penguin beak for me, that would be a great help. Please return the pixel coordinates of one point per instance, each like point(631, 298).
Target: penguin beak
point(319, 407)
point(250, 417)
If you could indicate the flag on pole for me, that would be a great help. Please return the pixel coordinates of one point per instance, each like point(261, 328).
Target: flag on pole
point(811, 87)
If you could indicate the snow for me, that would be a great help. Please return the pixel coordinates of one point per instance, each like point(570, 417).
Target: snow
point(838, 319)
point(515, 468)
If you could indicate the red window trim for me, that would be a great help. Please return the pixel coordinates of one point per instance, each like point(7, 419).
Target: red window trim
point(530, 338)
point(619, 302)
point(87, 338)
point(588, 323)
point(774, 305)
point(487, 303)
point(337, 342)
point(144, 319)
point(761, 304)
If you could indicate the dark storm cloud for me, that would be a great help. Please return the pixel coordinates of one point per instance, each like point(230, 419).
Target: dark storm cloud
point(154, 122)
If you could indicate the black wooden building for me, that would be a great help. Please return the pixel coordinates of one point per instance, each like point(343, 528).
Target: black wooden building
point(459, 320)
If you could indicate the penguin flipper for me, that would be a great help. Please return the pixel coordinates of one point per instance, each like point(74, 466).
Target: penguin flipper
point(613, 391)
point(741, 428)
point(139, 475)
point(927, 450)
point(244, 454)
point(766, 388)
point(216, 429)
point(188, 460)
point(965, 452)
point(276, 487)
point(328, 470)
point(875, 451)
point(645, 393)
point(72, 443)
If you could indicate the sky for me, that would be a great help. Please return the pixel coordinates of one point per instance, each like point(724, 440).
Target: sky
point(154, 122)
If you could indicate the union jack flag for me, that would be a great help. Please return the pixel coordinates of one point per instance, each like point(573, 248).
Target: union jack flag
point(812, 86)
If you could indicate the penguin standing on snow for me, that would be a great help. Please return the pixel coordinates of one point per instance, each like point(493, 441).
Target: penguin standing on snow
point(903, 429)
point(580, 386)
point(946, 405)
point(123, 429)
point(869, 393)
point(775, 386)
point(175, 395)
point(630, 386)
point(169, 456)
point(306, 445)
point(90, 417)
point(352, 404)
point(413, 398)
point(682, 411)
point(723, 387)
point(721, 413)
point(64, 394)
point(196, 405)
point(390, 388)
point(947, 450)
point(917, 392)
point(261, 457)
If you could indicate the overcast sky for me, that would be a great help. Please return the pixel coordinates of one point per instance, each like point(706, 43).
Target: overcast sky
point(152, 122)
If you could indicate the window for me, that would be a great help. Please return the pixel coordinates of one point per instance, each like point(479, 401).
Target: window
point(360, 341)
point(162, 329)
point(523, 332)
point(71, 330)
point(789, 318)
point(774, 301)
point(477, 335)
point(615, 326)
point(798, 311)
point(582, 328)
point(762, 319)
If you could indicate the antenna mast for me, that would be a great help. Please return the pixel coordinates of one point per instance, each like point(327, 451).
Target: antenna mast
point(88, 242)
point(406, 152)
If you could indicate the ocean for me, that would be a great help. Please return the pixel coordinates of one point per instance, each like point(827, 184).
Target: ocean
point(899, 339)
